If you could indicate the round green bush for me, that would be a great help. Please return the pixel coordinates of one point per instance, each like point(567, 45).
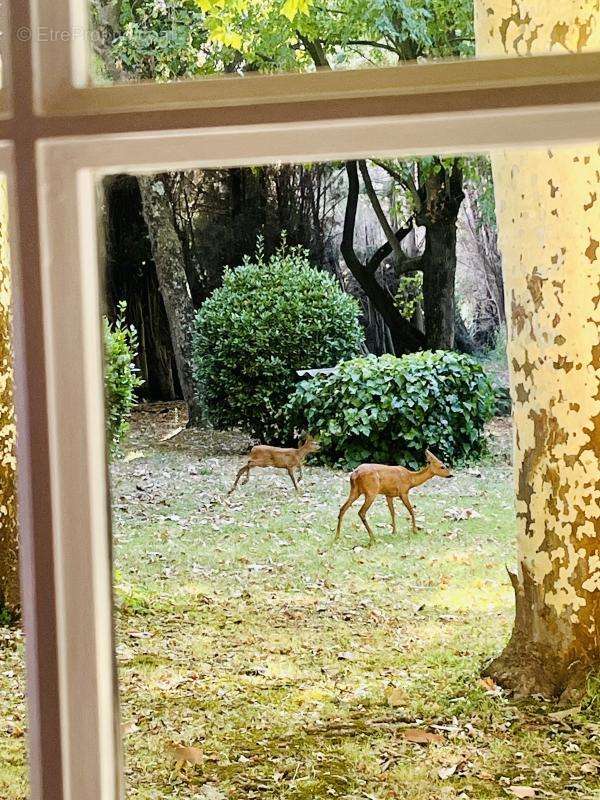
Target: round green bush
point(389, 410)
point(120, 375)
point(269, 319)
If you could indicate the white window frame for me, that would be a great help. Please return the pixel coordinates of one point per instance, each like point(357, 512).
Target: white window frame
point(57, 135)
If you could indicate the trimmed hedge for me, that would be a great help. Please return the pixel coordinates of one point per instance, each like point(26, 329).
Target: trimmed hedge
point(389, 410)
point(268, 320)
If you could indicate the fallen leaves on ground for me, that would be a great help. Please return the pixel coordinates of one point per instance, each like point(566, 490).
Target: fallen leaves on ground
point(184, 754)
point(210, 792)
point(395, 696)
point(420, 736)
point(521, 791)
point(462, 513)
point(133, 455)
point(299, 668)
point(447, 772)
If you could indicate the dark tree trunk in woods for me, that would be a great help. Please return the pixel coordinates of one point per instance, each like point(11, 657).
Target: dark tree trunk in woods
point(405, 337)
point(440, 198)
point(439, 272)
point(437, 193)
point(463, 340)
point(172, 280)
point(131, 276)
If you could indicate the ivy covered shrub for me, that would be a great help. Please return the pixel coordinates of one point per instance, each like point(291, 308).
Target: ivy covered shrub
point(409, 295)
point(121, 375)
point(389, 409)
point(269, 319)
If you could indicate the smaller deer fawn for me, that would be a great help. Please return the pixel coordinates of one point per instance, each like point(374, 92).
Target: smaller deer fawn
point(288, 458)
point(371, 480)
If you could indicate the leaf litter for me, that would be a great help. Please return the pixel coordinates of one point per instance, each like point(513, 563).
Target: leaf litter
point(256, 661)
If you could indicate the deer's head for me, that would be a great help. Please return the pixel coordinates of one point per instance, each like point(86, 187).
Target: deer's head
point(436, 466)
point(310, 445)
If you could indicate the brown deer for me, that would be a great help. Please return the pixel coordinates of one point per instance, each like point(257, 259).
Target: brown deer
point(371, 480)
point(288, 458)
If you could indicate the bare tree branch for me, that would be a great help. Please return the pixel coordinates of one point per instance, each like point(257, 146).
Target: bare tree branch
point(405, 337)
point(407, 181)
point(379, 212)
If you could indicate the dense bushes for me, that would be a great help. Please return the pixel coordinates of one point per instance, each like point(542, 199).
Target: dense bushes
point(390, 409)
point(269, 319)
point(120, 379)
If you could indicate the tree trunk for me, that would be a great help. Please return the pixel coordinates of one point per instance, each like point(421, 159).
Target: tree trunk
point(440, 196)
point(131, 276)
point(172, 280)
point(9, 541)
point(439, 272)
point(405, 337)
point(462, 338)
point(168, 253)
point(549, 226)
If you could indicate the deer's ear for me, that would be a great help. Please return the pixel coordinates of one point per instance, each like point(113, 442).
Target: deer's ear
point(429, 455)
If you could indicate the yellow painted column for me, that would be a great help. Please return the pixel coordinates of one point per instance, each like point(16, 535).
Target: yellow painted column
point(548, 210)
point(9, 578)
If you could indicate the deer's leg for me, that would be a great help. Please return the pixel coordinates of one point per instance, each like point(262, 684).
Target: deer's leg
point(390, 503)
point(250, 465)
point(300, 474)
point(362, 513)
point(244, 469)
point(411, 511)
point(351, 499)
point(290, 472)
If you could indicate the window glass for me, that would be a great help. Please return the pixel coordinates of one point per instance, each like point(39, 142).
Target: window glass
point(258, 654)
point(167, 40)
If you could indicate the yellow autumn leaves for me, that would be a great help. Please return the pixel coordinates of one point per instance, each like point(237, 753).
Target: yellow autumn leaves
point(220, 15)
point(291, 8)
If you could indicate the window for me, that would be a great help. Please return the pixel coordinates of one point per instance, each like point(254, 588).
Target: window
point(57, 135)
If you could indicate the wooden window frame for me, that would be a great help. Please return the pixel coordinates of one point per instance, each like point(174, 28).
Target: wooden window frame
point(58, 133)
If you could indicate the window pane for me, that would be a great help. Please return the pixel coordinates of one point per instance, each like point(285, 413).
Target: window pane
point(170, 39)
point(13, 770)
point(257, 655)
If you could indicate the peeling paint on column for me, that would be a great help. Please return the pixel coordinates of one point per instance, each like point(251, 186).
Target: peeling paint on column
point(525, 27)
point(549, 228)
point(9, 579)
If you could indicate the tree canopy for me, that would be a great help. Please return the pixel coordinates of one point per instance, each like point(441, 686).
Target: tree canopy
point(168, 39)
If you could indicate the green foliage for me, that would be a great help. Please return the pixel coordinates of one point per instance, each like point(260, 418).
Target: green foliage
point(495, 364)
point(161, 39)
point(166, 39)
point(409, 295)
point(7, 618)
point(502, 401)
point(269, 319)
point(121, 378)
point(478, 173)
point(391, 409)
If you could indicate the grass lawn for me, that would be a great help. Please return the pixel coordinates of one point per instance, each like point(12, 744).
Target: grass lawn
point(300, 670)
